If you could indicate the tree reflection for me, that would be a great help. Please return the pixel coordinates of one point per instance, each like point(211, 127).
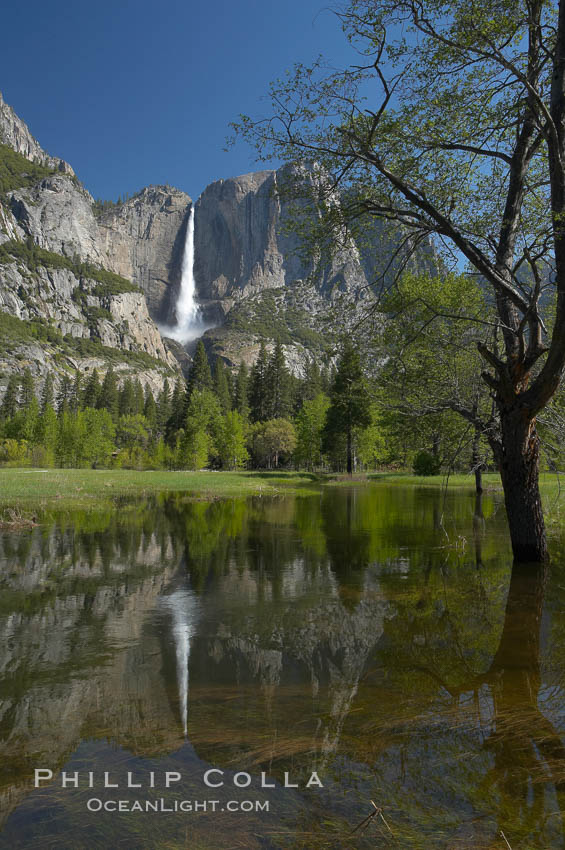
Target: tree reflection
point(527, 749)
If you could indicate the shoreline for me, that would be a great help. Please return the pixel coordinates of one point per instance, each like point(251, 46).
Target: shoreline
point(41, 489)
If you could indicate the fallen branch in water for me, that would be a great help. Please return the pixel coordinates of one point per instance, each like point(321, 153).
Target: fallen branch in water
point(376, 813)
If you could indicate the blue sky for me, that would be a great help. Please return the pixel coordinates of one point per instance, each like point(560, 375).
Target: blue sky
point(133, 92)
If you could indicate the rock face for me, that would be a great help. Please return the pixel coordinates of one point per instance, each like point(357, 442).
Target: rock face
point(242, 246)
point(253, 279)
point(143, 240)
point(68, 319)
point(235, 238)
point(256, 281)
point(58, 215)
point(77, 326)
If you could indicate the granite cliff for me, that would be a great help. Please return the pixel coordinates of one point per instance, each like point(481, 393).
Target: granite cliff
point(74, 283)
point(256, 281)
point(143, 240)
point(253, 280)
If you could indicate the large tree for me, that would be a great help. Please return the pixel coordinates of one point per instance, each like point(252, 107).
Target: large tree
point(451, 122)
point(432, 369)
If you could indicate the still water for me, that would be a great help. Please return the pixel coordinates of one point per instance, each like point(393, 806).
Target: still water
point(375, 638)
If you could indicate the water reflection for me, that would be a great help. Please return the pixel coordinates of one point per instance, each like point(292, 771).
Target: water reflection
point(376, 635)
point(529, 756)
point(183, 605)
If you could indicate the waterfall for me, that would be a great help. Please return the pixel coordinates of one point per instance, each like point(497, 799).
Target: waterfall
point(190, 324)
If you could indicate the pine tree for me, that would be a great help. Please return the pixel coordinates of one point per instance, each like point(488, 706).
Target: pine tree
point(30, 419)
point(76, 394)
point(108, 398)
point(231, 385)
point(241, 393)
point(126, 399)
point(310, 424)
point(349, 402)
point(28, 390)
point(202, 426)
point(163, 406)
point(221, 385)
point(139, 396)
point(64, 394)
point(10, 400)
point(231, 441)
point(278, 386)
point(178, 413)
point(327, 375)
point(258, 389)
point(46, 433)
point(313, 383)
point(150, 409)
point(91, 390)
point(47, 395)
point(200, 377)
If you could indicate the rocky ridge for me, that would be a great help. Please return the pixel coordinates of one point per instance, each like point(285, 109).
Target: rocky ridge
point(15, 133)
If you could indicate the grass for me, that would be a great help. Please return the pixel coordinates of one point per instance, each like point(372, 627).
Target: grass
point(38, 488)
point(491, 480)
point(35, 489)
point(552, 484)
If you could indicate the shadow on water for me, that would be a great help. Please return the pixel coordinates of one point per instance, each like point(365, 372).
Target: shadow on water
point(378, 635)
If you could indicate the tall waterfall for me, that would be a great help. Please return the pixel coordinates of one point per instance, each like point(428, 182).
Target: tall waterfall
point(189, 318)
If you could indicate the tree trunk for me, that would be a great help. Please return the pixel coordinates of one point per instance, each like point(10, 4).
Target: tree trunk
point(518, 459)
point(478, 480)
point(476, 462)
point(349, 453)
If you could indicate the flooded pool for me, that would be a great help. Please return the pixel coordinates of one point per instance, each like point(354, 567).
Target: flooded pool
point(270, 672)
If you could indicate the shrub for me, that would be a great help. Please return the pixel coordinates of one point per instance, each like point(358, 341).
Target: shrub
point(425, 463)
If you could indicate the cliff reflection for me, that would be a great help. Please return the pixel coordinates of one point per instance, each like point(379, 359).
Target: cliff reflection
point(377, 635)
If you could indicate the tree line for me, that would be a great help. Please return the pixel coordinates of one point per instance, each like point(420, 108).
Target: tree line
point(343, 417)
point(264, 417)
